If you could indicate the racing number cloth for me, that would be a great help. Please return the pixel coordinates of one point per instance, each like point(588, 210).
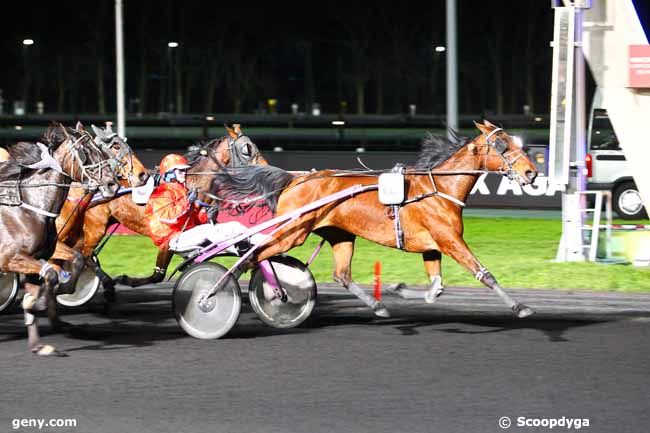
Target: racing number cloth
point(169, 212)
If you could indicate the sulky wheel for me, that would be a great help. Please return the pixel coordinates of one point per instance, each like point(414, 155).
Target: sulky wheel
point(298, 282)
point(215, 316)
point(87, 285)
point(8, 289)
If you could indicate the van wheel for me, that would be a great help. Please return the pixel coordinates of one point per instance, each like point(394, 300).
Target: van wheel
point(627, 202)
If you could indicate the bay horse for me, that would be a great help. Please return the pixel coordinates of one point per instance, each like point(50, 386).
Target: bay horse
point(40, 177)
point(431, 213)
point(233, 150)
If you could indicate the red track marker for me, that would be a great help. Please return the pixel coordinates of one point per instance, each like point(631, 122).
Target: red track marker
point(377, 281)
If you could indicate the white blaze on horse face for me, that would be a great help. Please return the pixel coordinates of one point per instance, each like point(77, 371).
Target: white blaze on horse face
point(518, 141)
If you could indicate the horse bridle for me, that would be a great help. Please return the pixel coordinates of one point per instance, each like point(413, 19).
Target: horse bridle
point(507, 164)
point(80, 157)
point(238, 157)
point(116, 160)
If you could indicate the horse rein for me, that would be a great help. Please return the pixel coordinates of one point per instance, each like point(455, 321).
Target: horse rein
point(507, 169)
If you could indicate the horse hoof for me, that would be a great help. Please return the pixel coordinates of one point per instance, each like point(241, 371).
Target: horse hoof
point(522, 311)
point(396, 287)
point(381, 311)
point(48, 350)
point(432, 296)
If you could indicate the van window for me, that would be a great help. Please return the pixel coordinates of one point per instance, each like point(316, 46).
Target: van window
point(602, 132)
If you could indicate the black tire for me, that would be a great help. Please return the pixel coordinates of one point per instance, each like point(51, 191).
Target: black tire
point(627, 202)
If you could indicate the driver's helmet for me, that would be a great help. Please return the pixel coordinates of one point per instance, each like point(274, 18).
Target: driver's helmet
point(170, 163)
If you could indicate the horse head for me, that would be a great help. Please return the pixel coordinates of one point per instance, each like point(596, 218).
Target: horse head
point(239, 150)
point(82, 160)
point(502, 153)
point(127, 165)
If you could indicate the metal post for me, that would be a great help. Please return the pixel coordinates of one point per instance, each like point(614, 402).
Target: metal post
point(580, 153)
point(452, 66)
point(569, 149)
point(119, 61)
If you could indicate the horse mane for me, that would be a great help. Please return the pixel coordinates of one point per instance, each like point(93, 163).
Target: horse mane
point(22, 153)
point(436, 149)
point(194, 154)
point(25, 153)
point(251, 181)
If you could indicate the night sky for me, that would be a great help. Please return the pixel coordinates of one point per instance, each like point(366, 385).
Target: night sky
point(235, 57)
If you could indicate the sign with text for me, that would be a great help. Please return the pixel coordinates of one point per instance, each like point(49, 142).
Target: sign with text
point(639, 66)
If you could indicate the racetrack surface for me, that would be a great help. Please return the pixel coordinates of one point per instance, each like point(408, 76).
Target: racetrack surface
point(456, 366)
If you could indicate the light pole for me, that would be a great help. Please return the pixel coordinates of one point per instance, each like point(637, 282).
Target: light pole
point(26, 75)
point(452, 67)
point(119, 69)
point(170, 73)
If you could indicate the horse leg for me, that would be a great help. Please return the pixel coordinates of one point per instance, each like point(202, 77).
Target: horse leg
point(76, 262)
point(35, 298)
point(432, 264)
point(460, 252)
point(162, 263)
point(343, 250)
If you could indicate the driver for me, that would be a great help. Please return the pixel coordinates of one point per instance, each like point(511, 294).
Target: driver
point(174, 216)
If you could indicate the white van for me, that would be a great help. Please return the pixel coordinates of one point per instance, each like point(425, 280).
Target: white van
point(607, 168)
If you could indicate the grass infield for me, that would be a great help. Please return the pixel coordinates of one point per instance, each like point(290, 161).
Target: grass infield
point(518, 252)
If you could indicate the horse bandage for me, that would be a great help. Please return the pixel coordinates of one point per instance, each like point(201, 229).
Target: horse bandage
point(46, 267)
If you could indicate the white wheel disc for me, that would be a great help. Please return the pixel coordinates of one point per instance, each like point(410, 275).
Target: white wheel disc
point(87, 285)
point(214, 316)
point(8, 289)
point(296, 279)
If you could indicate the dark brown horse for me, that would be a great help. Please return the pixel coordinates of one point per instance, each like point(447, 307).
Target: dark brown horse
point(40, 177)
point(234, 149)
point(130, 172)
point(431, 215)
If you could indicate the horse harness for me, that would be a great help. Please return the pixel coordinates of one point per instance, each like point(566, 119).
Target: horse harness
point(10, 190)
point(389, 181)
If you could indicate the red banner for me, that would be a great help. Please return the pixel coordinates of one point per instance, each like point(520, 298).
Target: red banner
point(639, 66)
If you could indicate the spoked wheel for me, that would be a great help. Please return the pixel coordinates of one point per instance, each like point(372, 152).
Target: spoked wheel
point(213, 317)
point(8, 289)
point(296, 279)
point(87, 285)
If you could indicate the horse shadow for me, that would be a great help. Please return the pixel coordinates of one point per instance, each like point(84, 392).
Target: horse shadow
point(422, 318)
